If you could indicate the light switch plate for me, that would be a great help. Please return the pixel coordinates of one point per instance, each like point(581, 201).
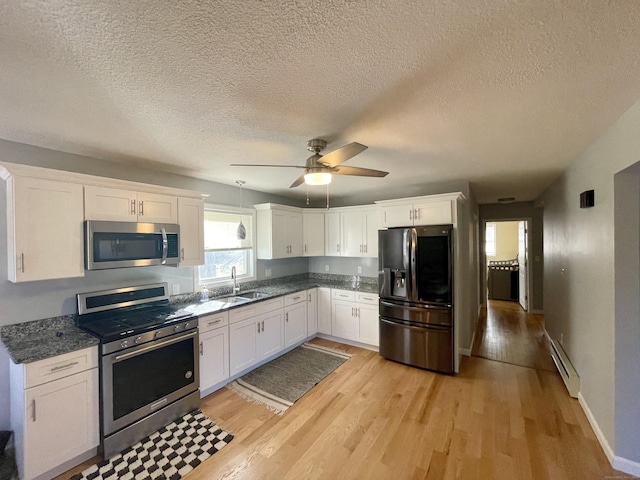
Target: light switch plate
point(267, 272)
point(326, 268)
point(176, 288)
point(359, 269)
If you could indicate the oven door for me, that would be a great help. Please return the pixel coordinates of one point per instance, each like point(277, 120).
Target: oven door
point(138, 381)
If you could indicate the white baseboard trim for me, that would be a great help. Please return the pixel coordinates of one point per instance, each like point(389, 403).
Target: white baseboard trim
point(465, 351)
point(626, 466)
point(608, 451)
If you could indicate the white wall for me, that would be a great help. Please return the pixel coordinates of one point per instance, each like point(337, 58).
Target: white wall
point(580, 283)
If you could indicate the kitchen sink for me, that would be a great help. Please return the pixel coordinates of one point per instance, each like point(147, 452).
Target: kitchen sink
point(253, 295)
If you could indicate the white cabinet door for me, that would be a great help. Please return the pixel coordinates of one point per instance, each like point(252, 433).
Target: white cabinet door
point(61, 422)
point(155, 208)
point(432, 213)
point(110, 204)
point(294, 234)
point(191, 221)
point(313, 234)
point(324, 310)
point(279, 245)
point(312, 312)
point(271, 337)
point(117, 205)
point(397, 215)
point(344, 320)
point(45, 232)
point(371, 221)
point(243, 345)
point(214, 357)
point(332, 234)
point(368, 326)
point(295, 323)
point(352, 234)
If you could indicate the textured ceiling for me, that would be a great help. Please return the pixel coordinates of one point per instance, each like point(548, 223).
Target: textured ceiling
point(503, 95)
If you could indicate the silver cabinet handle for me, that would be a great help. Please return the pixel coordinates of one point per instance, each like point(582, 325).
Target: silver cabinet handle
point(214, 322)
point(343, 295)
point(141, 208)
point(352, 312)
point(338, 247)
point(297, 298)
point(309, 297)
point(411, 214)
point(201, 349)
point(358, 312)
point(416, 216)
point(182, 253)
point(22, 262)
point(258, 327)
point(305, 248)
point(262, 326)
point(62, 367)
point(133, 207)
point(286, 316)
point(365, 248)
point(34, 409)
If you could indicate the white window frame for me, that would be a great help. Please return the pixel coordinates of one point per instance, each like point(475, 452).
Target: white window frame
point(490, 234)
point(211, 207)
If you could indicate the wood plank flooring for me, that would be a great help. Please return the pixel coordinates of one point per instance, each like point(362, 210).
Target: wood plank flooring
point(506, 333)
point(377, 419)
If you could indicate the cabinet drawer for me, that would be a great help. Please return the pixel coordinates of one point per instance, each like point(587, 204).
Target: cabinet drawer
point(213, 321)
point(294, 298)
point(44, 371)
point(370, 298)
point(269, 305)
point(253, 309)
point(344, 295)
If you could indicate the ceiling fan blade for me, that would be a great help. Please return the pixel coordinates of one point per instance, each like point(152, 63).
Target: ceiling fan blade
point(362, 172)
point(342, 154)
point(263, 165)
point(299, 181)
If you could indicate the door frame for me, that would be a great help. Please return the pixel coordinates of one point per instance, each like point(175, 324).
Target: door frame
point(484, 263)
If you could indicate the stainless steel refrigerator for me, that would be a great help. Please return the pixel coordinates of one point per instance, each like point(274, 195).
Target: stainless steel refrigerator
point(416, 296)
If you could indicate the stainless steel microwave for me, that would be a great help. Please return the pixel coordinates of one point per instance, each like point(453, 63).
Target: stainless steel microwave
point(128, 244)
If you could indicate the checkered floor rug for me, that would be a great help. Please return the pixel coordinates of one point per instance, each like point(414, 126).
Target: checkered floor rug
point(168, 454)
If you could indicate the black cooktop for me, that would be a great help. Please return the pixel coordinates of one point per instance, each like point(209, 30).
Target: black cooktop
point(129, 321)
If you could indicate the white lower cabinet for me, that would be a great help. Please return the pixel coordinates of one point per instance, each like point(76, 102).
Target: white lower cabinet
point(324, 310)
point(354, 316)
point(295, 318)
point(214, 349)
point(54, 411)
point(254, 335)
point(312, 312)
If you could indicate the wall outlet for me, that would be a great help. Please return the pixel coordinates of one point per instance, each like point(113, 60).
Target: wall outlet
point(176, 288)
point(326, 268)
point(267, 272)
point(359, 268)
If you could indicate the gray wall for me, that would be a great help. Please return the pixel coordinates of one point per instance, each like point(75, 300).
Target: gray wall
point(591, 280)
point(515, 211)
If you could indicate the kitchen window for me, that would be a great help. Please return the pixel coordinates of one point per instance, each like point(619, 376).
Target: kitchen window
point(223, 249)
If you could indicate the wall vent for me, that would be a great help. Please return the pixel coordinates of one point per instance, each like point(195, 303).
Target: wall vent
point(567, 372)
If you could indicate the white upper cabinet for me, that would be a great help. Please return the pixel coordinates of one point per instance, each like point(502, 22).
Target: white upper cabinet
point(114, 204)
point(279, 231)
point(44, 226)
point(313, 233)
point(430, 210)
point(191, 221)
point(332, 238)
point(358, 232)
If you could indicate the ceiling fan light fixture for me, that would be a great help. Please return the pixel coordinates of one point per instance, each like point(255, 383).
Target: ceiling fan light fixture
point(317, 178)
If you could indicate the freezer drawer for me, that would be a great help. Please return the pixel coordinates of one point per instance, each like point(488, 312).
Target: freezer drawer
point(424, 347)
point(417, 313)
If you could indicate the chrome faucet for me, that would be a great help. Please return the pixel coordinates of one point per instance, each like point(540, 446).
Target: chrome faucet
point(234, 276)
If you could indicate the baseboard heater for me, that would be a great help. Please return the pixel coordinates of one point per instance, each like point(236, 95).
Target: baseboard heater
point(567, 372)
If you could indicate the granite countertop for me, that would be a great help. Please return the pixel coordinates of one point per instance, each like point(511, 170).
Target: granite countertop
point(40, 339)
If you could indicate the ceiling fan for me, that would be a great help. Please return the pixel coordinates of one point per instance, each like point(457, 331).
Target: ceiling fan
point(319, 169)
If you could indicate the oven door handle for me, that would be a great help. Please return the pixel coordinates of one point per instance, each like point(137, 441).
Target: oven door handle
point(155, 346)
point(165, 245)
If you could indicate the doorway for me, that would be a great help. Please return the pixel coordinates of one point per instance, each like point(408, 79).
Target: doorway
point(507, 261)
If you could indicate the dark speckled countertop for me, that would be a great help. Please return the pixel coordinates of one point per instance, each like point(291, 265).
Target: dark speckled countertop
point(40, 339)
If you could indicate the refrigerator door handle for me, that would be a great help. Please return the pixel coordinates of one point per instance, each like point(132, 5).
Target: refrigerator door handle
point(412, 290)
point(443, 328)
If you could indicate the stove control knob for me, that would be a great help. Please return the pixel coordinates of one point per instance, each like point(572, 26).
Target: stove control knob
point(124, 344)
point(137, 340)
point(158, 333)
point(176, 328)
point(187, 325)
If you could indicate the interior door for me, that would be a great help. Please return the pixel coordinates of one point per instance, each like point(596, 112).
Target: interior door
point(523, 260)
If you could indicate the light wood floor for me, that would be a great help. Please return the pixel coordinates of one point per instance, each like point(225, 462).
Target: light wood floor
point(506, 333)
point(376, 419)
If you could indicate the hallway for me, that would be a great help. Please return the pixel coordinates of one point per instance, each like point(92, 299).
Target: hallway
point(508, 334)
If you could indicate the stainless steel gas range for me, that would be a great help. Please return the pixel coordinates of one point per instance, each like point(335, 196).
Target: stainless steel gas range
point(149, 362)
